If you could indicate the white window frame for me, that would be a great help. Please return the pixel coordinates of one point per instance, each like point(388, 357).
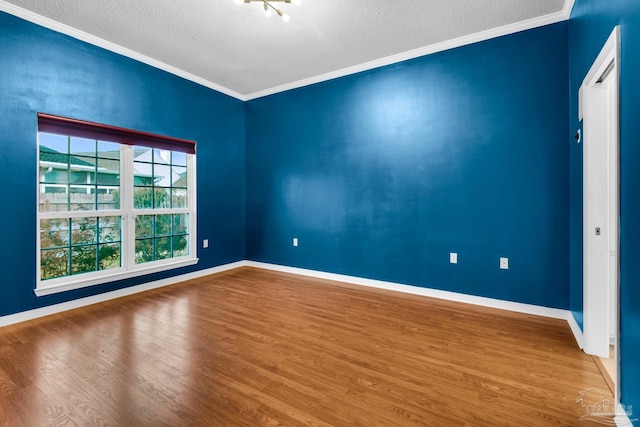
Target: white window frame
point(128, 268)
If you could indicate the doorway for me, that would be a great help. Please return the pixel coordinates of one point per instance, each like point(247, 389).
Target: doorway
point(601, 211)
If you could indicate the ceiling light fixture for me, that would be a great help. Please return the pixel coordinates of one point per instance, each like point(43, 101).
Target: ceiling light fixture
point(268, 7)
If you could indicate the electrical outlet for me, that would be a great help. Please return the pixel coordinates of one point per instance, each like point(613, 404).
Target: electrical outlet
point(453, 258)
point(205, 243)
point(504, 263)
point(295, 241)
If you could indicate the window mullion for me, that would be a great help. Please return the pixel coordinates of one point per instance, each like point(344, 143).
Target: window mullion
point(80, 214)
point(163, 211)
point(128, 220)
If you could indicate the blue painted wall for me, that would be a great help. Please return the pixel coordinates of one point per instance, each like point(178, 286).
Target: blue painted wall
point(44, 71)
point(379, 174)
point(383, 173)
point(591, 23)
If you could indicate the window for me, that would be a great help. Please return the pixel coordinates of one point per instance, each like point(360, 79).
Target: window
point(113, 203)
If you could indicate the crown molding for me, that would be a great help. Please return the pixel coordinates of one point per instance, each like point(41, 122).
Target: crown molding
point(423, 51)
point(568, 8)
point(552, 18)
point(97, 41)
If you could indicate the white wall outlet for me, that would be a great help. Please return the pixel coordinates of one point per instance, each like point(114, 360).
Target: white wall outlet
point(205, 243)
point(295, 241)
point(453, 258)
point(504, 263)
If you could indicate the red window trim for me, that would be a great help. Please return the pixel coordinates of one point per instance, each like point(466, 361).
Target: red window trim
point(98, 131)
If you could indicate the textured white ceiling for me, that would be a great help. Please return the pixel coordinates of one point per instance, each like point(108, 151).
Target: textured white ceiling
point(238, 48)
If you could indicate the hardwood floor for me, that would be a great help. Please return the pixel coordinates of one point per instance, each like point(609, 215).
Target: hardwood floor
point(253, 347)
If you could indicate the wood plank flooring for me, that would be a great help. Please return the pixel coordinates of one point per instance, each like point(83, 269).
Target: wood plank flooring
point(252, 347)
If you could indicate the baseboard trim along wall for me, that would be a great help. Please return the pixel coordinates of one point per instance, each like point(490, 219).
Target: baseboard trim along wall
point(94, 299)
point(554, 313)
point(622, 418)
point(575, 328)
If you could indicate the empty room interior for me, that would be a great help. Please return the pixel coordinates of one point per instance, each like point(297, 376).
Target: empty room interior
point(323, 213)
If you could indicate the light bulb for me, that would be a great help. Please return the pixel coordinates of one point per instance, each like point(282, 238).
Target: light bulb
point(285, 17)
point(296, 2)
point(267, 13)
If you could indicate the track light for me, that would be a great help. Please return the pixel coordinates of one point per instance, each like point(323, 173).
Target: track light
point(269, 8)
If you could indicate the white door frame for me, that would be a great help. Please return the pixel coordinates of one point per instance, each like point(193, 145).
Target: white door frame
point(600, 105)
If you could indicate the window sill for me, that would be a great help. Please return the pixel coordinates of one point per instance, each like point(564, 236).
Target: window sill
point(81, 281)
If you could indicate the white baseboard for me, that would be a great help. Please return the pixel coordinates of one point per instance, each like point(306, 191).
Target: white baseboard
point(94, 299)
point(537, 310)
point(622, 418)
point(575, 328)
point(554, 313)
